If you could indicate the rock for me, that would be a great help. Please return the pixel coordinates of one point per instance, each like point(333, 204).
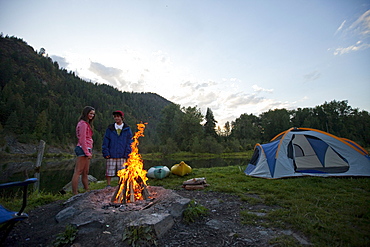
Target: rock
point(160, 223)
point(90, 227)
point(66, 214)
point(68, 187)
point(178, 207)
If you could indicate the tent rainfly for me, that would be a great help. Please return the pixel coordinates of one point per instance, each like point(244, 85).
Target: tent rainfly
point(308, 152)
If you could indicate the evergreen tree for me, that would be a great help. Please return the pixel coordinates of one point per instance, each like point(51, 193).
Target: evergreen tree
point(41, 127)
point(210, 124)
point(13, 124)
point(227, 129)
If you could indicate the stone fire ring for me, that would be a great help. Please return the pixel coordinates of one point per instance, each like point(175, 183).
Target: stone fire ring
point(94, 209)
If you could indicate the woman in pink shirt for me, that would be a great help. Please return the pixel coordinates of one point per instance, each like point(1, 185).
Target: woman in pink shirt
point(83, 149)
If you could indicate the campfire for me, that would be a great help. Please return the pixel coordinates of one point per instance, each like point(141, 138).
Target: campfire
point(132, 180)
point(131, 207)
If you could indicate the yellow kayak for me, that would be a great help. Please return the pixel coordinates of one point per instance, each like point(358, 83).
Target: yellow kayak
point(181, 169)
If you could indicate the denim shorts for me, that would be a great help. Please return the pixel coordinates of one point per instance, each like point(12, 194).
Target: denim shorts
point(80, 152)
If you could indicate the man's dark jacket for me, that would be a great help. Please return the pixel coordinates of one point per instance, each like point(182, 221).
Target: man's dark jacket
point(117, 146)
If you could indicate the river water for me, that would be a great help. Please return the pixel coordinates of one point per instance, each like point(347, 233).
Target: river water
point(55, 173)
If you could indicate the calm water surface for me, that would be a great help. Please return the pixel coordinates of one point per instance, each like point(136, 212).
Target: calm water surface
point(57, 173)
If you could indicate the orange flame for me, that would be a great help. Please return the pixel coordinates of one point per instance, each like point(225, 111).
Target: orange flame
point(134, 173)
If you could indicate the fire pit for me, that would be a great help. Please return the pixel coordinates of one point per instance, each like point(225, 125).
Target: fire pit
point(93, 212)
point(110, 212)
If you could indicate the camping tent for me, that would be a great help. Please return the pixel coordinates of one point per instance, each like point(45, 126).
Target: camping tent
point(308, 152)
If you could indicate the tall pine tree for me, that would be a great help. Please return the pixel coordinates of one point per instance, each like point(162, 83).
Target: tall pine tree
point(210, 125)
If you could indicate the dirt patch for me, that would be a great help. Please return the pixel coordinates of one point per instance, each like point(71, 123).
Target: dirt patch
point(222, 226)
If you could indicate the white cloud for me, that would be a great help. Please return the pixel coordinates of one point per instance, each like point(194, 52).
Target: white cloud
point(207, 99)
point(111, 75)
point(162, 57)
point(357, 47)
point(226, 101)
point(270, 104)
point(234, 80)
point(107, 73)
point(140, 85)
point(360, 30)
point(362, 24)
point(341, 26)
point(260, 89)
point(239, 99)
point(60, 60)
point(155, 73)
point(314, 75)
point(193, 86)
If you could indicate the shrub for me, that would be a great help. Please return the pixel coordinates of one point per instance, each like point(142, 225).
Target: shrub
point(194, 211)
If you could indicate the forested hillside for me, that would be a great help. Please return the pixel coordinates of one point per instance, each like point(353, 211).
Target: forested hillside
point(38, 100)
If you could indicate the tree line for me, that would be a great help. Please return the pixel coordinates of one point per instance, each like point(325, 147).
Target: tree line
point(39, 100)
point(180, 129)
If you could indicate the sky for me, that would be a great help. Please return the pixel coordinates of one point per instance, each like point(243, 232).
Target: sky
point(232, 56)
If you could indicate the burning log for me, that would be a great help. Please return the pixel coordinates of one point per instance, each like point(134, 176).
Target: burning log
point(125, 191)
point(132, 184)
point(115, 193)
point(145, 191)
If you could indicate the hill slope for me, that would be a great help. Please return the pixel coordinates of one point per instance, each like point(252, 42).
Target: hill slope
point(38, 100)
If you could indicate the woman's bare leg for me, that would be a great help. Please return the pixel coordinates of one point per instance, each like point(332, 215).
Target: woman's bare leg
point(81, 168)
point(85, 173)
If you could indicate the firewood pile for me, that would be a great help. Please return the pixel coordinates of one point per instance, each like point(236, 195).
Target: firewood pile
point(125, 191)
point(195, 184)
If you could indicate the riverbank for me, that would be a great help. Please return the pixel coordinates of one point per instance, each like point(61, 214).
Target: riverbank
point(57, 167)
point(13, 149)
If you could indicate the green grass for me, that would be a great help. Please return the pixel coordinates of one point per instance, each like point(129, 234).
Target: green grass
point(67, 237)
point(13, 201)
point(194, 211)
point(329, 211)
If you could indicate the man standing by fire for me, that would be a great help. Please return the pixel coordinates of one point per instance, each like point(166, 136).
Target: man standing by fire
point(116, 145)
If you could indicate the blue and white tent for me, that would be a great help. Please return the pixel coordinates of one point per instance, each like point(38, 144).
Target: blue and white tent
point(308, 152)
